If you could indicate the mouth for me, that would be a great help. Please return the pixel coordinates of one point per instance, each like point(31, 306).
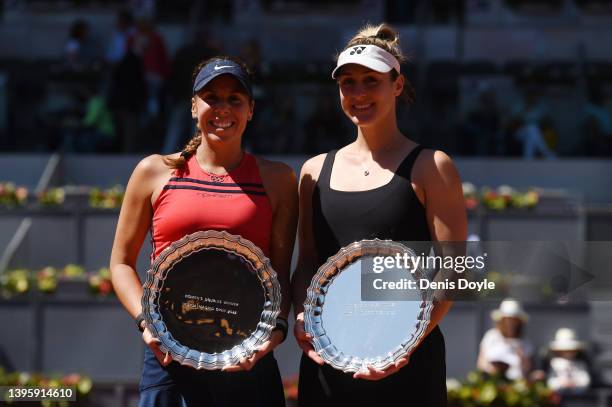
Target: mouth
point(222, 124)
point(362, 107)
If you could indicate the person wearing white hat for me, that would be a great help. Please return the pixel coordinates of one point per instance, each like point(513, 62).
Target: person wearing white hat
point(509, 308)
point(382, 185)
point(510, 319)
point(566, 372)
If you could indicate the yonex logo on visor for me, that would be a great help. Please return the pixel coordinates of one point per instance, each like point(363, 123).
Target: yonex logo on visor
point(370, 56)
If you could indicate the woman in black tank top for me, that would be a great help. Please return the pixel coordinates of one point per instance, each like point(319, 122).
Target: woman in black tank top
point(381, 186)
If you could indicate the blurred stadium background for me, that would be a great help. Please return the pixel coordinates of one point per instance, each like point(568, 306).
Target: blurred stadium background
point(89, 87)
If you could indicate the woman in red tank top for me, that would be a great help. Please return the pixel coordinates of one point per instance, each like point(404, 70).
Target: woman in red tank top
point(211, 184)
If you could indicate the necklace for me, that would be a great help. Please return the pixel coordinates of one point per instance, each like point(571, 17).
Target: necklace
point(366, 170)
point(217, 177)
point(221, 177)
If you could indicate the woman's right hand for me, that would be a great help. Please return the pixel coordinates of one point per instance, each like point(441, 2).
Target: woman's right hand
point(303, 339)
point(153, 343)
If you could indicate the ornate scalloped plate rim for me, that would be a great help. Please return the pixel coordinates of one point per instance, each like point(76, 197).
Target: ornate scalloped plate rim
point(332, 267)
point(250, 253)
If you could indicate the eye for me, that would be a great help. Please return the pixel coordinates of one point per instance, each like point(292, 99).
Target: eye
point(209, 98)
point(371, 80)
point(344, 82)
point(236, 100)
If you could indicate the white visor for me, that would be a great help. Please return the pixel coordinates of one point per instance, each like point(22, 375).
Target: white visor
point(370, 56)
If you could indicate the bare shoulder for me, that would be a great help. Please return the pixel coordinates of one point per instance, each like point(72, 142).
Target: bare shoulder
point(275, 171)
point(279, 181)
point(432, 165)
point(153, 165)
point(312, 167)
point(149, 173)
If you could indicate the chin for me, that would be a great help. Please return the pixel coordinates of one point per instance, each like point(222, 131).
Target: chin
point(362, 118)
point(219, 137)
point(363, 121)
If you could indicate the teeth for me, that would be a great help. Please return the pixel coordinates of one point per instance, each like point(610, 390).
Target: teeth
point(363, 106)
point(223, 124)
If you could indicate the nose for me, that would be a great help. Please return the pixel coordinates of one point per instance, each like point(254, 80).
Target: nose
point(221, 107)
point(358, 91)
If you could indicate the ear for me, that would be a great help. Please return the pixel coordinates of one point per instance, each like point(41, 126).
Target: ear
point(194, 110)
point(399, 85)
point(251, 109)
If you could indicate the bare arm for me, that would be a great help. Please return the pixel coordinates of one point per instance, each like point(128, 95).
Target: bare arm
point(481, 363)
point(307, 255)
point(281, 183)
point(307, 258)
point(445, 210)
point(134, 222)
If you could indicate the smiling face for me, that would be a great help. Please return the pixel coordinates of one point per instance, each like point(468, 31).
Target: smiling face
point(367, 96)
point(222, 109)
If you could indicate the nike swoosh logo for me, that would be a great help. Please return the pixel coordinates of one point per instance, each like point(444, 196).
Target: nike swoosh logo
point(217, 67)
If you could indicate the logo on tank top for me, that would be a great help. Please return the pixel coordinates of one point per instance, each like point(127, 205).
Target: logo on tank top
point(215, 194)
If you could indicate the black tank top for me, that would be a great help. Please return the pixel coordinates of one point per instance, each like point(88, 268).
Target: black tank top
point(392, 211)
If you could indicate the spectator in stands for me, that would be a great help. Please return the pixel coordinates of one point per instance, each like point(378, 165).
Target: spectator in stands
point(250, 52)
point(482, 125)
point(507, 335)
point(597, 125)
point(77, 51)
point(262, 208)
point(93, 130)
point(149, 45)
point(527, 117)
point(127, 99)
point(124, 29)
point(567, 371)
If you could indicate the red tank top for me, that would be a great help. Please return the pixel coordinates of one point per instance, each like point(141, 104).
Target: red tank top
point(195, 200)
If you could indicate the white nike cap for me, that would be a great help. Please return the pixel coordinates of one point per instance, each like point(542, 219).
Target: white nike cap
point(370, 56)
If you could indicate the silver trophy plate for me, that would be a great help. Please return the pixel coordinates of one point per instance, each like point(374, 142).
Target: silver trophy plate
point(211, 298)
point(350, 333)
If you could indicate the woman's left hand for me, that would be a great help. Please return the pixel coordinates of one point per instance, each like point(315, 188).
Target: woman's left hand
point(246, 364)
point(374, 374)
